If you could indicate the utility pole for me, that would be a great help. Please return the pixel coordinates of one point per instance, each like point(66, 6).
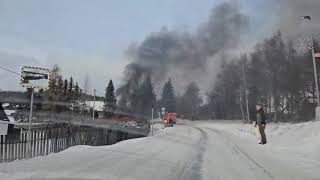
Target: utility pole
point(94, 102)
point(246, 92)
point(28, 73)
point(243, 118)
point(311, 46)
point(152, 121)
point(29, 126)
point(315, 71)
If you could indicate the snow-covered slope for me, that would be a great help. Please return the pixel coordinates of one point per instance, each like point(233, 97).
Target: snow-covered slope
point(188, 151)
point(297, 144)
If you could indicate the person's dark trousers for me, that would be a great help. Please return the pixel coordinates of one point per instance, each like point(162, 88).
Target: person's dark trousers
point(262, 133)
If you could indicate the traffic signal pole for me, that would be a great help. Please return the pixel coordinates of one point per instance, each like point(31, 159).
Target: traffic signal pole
point(29, 126)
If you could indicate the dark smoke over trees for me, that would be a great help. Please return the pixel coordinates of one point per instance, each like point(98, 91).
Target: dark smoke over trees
point(188, 105)
point(223, 99)
point(278, 77)
point(144, 98)
point(183, 56)
point(290, 10)
point(168, 98)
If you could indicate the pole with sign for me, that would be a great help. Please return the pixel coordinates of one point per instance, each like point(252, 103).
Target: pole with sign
point(310, 46)
point(152, 121)
point(315, 71)
point(163, 112)
point(29, 126)
point(33, 77)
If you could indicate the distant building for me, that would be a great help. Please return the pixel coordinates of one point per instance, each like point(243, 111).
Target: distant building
point(98, 105)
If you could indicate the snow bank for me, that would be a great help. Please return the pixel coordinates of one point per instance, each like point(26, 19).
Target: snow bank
point(277, 133)
point(293, 136)
point(157, 128)
point(135, 159)
point(189, 150)
point(298, 143)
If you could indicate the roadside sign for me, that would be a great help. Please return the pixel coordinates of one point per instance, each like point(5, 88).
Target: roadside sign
point(35, 77)
point(163, 110)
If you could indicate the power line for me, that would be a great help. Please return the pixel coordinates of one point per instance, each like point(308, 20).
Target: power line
point(10, 71)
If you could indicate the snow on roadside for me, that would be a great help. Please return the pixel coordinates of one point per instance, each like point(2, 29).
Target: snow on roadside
point(297, 143)
point(157, 128)
point(277, 133)
point(281, 134)
point(139, 158)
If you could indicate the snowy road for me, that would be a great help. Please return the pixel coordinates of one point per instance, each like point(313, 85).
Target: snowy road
point(189, 151)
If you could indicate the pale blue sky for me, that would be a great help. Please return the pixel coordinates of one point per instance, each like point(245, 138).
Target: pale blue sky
point(90, 37)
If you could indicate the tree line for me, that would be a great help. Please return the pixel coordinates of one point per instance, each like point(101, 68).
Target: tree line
point(275, 75)
point(142, 98)
point(64, 93)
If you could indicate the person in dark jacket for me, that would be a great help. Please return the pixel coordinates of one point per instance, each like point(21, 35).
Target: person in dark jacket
point(261, 122)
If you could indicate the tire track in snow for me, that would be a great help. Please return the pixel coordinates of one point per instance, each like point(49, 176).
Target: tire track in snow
point(244, 154)
point(197, 160)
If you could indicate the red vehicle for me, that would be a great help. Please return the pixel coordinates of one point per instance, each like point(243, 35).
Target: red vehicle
point(170, 119)
point(173, 117)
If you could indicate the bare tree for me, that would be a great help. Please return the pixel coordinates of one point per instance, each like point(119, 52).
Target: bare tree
point(86, 84)
point(86, 88)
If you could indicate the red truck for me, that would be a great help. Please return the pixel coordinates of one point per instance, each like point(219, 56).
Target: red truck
point(170, 119)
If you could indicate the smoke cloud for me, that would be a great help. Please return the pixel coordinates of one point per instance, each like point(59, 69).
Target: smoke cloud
point(185, 56)
point(288, 19)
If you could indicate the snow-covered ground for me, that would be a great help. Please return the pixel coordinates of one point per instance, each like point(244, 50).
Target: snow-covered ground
point(188, 151)
point(296, 144)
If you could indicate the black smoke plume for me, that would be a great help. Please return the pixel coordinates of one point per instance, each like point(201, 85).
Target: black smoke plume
point(184, 56)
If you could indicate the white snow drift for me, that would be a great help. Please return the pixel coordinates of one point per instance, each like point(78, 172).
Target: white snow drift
point(189, 151)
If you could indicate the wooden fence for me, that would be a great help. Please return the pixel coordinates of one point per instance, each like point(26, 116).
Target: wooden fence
point(55, 139)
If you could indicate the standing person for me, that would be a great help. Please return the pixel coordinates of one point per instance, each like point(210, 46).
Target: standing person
point(261, 122)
